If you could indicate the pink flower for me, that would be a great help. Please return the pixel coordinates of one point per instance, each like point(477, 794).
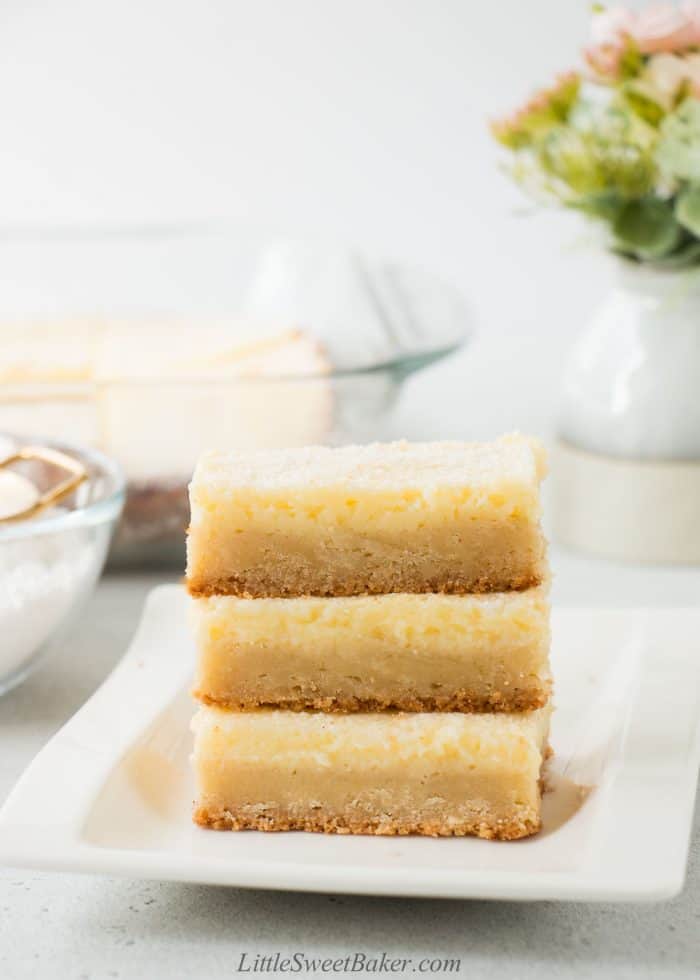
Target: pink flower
point(611, 33)
point(544, 109)
point(611, 26)
point(605, 59)
point(663, 27)
point(668, 74)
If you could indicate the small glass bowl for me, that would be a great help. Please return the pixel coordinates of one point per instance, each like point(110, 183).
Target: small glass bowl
point(49, 564)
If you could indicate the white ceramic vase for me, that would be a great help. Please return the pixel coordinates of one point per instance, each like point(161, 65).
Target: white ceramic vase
point(632, 388)
point(627, 465)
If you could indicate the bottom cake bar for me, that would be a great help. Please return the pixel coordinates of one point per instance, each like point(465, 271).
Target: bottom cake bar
point(440, 774)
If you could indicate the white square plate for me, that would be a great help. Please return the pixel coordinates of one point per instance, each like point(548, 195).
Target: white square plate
point(112, 791)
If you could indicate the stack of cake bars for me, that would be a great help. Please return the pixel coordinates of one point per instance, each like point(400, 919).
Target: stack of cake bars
point(372, 628)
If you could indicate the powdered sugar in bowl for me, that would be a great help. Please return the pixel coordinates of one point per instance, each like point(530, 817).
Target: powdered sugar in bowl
point(50, 560)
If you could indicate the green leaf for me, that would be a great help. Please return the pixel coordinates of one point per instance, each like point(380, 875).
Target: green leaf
point(647, 228)
point(687, 255)
point(606, 205)
point(687, 209)
point(678, 149)
point(644, 100)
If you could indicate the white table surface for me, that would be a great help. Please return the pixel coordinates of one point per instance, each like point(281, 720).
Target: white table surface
point(70, 926)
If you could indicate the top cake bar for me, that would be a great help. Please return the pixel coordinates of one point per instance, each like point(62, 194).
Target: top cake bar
point(399, 517)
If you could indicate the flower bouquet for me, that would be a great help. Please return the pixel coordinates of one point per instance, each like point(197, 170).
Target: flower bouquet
point(619, 140)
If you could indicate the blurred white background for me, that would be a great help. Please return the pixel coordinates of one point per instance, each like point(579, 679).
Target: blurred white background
point(359, 121)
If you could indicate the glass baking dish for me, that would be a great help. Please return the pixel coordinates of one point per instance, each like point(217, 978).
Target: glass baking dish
point(154, 344)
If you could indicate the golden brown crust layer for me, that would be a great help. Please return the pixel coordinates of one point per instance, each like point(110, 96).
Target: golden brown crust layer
point(244, 589)
point(476, 820)
point(522, 824)
point(461, 701)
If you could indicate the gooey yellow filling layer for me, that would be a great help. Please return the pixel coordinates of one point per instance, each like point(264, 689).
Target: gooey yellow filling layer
point(382, 486)
point(443, 623)
point(314, 738)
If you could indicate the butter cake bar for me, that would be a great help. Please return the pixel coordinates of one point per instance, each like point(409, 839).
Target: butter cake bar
point(440, 774)
point(434, 517)
point(430, 652)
